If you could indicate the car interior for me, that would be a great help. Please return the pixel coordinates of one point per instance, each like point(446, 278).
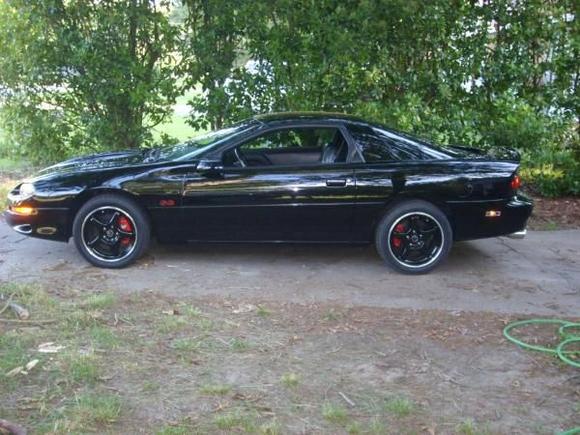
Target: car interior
point(294, 146)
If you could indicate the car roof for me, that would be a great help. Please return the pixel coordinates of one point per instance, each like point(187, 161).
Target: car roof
point(301, 116)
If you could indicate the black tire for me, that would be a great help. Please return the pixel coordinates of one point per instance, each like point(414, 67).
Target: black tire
point(415, 229)
point(129, 238)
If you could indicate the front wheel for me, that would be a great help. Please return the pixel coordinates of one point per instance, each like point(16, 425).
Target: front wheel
point(414, 237)
point(111, 231)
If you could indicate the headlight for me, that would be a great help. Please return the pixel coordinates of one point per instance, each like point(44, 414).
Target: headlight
point(27, 189)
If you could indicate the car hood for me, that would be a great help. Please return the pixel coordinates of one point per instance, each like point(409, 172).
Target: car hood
point(109, 160)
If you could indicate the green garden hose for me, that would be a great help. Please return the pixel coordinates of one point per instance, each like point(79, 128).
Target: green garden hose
point(570, 330)
point(570, 333)
point(564, 354)
point(508, 328)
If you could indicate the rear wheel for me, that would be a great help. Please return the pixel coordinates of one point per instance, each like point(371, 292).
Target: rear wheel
point(111, 231)
point(414, 237)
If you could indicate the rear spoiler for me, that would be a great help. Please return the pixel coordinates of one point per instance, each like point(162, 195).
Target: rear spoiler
point(497, 153)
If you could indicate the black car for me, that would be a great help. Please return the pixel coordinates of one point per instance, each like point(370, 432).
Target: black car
point(290, 177)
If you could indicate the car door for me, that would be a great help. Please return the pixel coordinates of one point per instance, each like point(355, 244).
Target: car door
point(284, 192)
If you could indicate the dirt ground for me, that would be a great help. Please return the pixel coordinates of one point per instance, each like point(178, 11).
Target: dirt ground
point(555, 213)
point(215, 365)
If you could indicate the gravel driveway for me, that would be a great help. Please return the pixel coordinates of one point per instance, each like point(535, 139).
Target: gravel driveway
point(539, 275)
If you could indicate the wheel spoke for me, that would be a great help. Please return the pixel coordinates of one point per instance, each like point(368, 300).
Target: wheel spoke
point(113, 217)
point(93, 241)
point(427, 230)
point(427, 249)
point(97, 221)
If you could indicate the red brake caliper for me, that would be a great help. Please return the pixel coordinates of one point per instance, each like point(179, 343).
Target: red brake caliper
point(126, 226)
point(396, 240)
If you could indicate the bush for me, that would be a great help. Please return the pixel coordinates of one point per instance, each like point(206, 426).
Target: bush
point(552, 172)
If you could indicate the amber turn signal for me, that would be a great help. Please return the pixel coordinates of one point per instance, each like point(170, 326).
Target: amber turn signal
point(23, 210)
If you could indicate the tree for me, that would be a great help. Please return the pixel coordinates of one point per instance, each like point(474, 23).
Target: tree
point(84, 74)
point(440, 68)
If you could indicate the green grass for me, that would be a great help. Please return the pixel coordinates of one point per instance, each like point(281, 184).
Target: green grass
point(169, 324)
point(176, 126)
point(262, 311)
point(14, 352)
point(88, 412)
point(270, 428)
point(80, 319)
point(550, 226)
point(192, 311)
point(332, 316)
point(399, 406)
point(290, 380)
point(204, 324)
point(239, 344)
point(95, 409)
point(33, 297)
point(215, 389)
point(469, 427)
point(82, 369)
point(334, 413)
point(186, 345)
point(11, 165)
point(100, 301)
point(174, 430)
point(376, 426)
point(355, 428)
point(235, 419)
point(103, 338)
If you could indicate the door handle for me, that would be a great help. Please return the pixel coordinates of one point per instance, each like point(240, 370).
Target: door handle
point(336, 182)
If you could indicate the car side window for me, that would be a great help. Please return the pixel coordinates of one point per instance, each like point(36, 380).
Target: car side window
point(377, 145)
point(291, 146)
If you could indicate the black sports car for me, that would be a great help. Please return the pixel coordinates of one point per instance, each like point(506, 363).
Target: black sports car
point(290, 177)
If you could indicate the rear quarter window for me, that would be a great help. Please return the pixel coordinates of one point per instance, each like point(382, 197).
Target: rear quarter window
point(378, 145)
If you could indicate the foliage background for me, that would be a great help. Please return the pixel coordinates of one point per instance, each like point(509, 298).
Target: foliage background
point(84, 75)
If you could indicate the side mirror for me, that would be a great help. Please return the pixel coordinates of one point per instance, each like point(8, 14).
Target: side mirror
point(210, 168)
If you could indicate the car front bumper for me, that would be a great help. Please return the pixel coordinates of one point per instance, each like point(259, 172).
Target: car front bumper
point(45, 223)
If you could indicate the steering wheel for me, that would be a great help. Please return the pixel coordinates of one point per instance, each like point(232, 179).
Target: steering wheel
point(241, 159)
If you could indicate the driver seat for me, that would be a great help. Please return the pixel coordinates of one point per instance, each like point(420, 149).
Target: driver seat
point(334, 152)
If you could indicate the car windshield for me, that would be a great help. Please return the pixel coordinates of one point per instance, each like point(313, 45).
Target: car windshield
point(200, 144)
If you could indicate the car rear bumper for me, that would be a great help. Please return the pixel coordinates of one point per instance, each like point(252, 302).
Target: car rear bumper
point(45, 223)
point(471, 221)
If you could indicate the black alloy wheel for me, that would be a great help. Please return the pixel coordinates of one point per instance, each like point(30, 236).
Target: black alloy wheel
point(414, 237)
point(111, 231)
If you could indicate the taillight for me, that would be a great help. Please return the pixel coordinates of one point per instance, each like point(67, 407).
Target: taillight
point(516, 182)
